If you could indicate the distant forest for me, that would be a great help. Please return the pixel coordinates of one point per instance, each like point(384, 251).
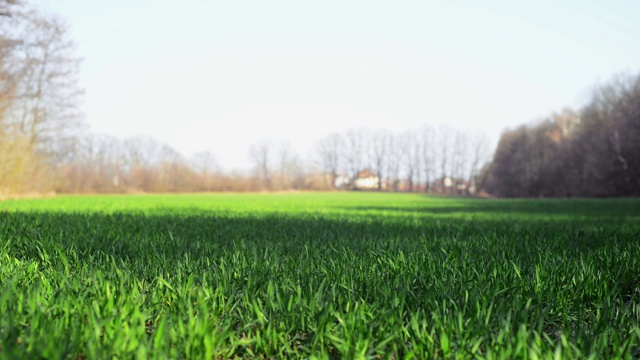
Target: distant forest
point(45, 145)
point(592, 152)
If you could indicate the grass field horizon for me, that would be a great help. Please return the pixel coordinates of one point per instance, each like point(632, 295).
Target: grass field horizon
point(318, 275)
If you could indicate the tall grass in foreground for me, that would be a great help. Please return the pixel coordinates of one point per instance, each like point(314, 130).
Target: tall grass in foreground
point(328, 276)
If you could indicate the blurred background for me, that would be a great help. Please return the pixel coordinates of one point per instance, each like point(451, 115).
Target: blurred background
point(483, 99)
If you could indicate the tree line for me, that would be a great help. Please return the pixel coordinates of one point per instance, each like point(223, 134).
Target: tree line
point(46, 146)
point(593, 152)
point(106, 164)
point(413, 160)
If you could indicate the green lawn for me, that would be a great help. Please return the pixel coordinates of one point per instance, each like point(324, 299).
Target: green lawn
point(334, 275)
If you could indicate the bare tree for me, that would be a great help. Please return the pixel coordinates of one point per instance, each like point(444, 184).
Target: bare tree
point(609, 132)
point(444, 135)
point(292, 171)
point(141, 160)
point(95, 165)
point(174, 174)
point(411, 158)
point(355, 151)
point(528, 162)
point(45, 70)
point(395, 156)
point(8, 44)
point(328, 151)
point(417, 160)
point(288, 165)
point(261, 154)
point(428, 155)
point(459, 159)
point(479, 153)
point(206, 165)
point(38, 93)
point(381, 140)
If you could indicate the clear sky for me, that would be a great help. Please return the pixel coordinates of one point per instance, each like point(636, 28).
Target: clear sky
point(221, 75)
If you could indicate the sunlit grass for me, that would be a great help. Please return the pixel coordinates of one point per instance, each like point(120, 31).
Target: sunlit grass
point(338, 275)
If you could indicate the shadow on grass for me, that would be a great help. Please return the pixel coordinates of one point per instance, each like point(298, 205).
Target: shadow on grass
point(150, 247)
point(525, 209)
point(197, 235)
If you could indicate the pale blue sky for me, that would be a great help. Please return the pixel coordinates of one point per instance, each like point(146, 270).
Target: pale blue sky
point(220, 75)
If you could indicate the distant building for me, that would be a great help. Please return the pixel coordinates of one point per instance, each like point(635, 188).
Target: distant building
point(449, 185)
point(367, 180)
point(342, 181)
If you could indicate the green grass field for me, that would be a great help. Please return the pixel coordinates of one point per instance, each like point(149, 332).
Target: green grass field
point(338, 275)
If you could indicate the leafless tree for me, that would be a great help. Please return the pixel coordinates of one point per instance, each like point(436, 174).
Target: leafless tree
point(609, 131)
point(411, 149)
point(395, 155)
point(45, 70)
point(151, 165)
point(288, 165)
point(206, 165)
point(355, 152)
point(328, 151)
point(262, 154)
point(590, 154)
point(428, 156)
point(479, 144)
point(174, 174)
point(459, 158)
point(381, 140)
point(95, 165)
point(38, 93)
point(444, 136)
